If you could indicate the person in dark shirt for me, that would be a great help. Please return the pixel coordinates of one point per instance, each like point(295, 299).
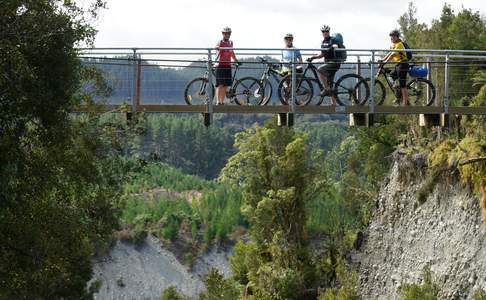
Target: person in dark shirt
point(331, 64)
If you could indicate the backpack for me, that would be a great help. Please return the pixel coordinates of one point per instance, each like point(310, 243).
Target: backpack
point(340, 55)
point(409, 53)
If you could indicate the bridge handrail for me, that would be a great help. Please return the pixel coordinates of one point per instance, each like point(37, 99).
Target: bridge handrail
point(445, 51)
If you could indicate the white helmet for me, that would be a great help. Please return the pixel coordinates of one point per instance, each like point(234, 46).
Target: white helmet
point(226, 29)
point(288, 36)
point(325, 28)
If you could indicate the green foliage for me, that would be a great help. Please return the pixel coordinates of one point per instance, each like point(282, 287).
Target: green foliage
point(58, 180)
point(186, 144)
point(450, 154)
point(322, 137)
point(95, 286)
point(160, 198)
point(428, 290)
point(274, 173)
point(479, 294)
point(171, 293)
point(139, 234)
point(120, 282)
point(219, 288)
point(155, 175)
point(347, 286)
point(465, 29)
point(474, 173)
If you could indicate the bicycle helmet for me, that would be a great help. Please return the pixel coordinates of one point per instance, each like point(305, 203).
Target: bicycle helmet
point(288, 36)
point(226, 29)
point(395, 32)
point(325, 28)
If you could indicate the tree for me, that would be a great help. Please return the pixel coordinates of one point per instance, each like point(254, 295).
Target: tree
point(274, 173)
point(219, 288)
point(57, 180)
point(463, 30)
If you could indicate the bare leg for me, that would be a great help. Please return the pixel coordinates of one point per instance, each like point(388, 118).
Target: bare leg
point(221, 93)
point(325, 82)
point(405, 96)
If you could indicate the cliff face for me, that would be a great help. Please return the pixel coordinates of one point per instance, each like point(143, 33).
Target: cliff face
point(446, 232)
point(144, 272)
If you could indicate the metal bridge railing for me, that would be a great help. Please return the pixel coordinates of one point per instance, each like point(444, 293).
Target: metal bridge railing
point(157, 76)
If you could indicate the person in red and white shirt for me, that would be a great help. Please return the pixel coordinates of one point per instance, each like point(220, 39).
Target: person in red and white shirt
point(224, 79)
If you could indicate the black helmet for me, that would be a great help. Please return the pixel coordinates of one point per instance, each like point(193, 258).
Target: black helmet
point(395, 32)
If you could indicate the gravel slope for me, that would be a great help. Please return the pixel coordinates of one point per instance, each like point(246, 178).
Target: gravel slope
point(446, 233)
point(130, 272)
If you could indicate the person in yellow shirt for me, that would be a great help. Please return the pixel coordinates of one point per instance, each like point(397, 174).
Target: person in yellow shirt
point(401, 63)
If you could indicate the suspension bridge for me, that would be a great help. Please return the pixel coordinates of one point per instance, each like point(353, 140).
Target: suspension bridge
point(153, 80)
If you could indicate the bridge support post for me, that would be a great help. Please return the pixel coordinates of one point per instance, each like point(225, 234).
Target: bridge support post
point(290, 120)
point(372, 83)
point(208, 116)
point(361, 119)
point(285, 120)
point(207, 119)
point(430, 120)
point(445, 120)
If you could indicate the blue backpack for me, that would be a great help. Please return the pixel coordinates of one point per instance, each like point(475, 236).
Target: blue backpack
point(341, 55)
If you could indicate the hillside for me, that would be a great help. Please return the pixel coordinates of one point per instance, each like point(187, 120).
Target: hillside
point(445, 233)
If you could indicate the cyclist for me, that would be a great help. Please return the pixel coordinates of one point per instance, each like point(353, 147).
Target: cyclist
point(401, 63)
point(332, 64)
point(287, 55)
point(224, 79)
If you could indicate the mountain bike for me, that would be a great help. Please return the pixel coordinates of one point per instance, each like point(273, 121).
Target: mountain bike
point(243, 91)
point(272, 70)
point(417, 88)
point(349, 89)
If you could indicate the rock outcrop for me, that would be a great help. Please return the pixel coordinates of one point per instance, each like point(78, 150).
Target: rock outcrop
point(445, 233)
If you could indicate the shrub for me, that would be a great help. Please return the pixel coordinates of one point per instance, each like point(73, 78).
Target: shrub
point(428, 290)
point(171, 293)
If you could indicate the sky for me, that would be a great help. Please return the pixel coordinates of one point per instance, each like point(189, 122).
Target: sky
point(259, 23)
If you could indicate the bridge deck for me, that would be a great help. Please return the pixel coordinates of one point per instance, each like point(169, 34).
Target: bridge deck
point(395, 110)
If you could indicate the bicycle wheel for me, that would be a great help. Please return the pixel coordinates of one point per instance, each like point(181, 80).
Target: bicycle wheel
point(267, 91)
point(380, 92)
point(417, 92)
point(351, 89)
point(303, 91)
point(197, 91)
point(247, 91)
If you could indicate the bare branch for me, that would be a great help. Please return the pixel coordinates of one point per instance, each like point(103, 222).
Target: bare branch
point(472, 160)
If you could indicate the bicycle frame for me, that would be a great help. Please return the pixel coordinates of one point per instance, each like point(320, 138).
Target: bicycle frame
point(313, 68)
point(269, 72)
point(382, 71)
